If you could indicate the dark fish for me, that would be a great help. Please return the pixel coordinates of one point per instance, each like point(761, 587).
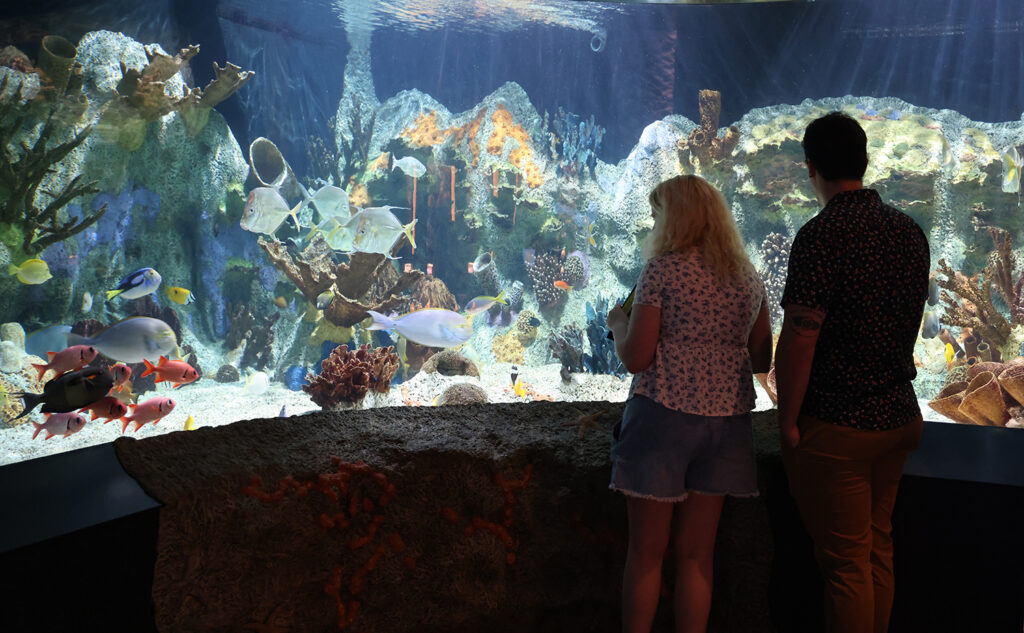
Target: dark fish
point(70, 391)
point(930, 328)
point(534, 321)
point(515, 374)
point(933, 291)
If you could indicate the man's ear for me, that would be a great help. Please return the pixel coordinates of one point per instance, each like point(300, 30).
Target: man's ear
point(811, 171)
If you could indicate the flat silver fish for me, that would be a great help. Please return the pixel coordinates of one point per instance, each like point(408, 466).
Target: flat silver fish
point(265, 210)
point(378, 231)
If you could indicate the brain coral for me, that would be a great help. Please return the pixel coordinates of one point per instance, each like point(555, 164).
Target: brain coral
point(450, 362)
point(462, 393)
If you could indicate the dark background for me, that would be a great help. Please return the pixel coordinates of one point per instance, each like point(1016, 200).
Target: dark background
point(958, 54)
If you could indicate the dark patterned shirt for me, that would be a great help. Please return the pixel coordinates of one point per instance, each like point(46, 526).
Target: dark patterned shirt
point(865, 264)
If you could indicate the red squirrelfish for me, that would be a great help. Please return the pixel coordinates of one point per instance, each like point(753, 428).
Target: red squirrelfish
point(70, 359)
point(121, 374)
point(107, 407)
point(177, 371)
point(151, 410)
point(66, 424)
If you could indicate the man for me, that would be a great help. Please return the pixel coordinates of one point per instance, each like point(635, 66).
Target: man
point(848, 414)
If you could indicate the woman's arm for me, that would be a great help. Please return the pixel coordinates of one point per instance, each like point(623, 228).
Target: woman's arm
point(759, 343)
point(636, 335)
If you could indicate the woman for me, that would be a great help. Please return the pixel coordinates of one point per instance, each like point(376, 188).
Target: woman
point(698, 329)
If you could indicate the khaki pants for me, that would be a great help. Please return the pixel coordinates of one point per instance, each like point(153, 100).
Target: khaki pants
point(844, 481)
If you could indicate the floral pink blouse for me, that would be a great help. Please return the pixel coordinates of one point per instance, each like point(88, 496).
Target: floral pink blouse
point(701, 365)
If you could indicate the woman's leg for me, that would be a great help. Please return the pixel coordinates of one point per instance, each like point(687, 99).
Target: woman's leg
point(696, 527)
point(649, 528)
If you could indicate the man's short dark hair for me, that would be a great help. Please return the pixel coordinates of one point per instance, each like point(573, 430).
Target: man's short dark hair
point(837, 147)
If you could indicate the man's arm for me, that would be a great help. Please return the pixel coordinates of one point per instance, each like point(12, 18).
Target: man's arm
point(793, 356)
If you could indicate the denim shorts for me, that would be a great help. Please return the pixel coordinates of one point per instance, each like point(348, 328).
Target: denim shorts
point(663, 454)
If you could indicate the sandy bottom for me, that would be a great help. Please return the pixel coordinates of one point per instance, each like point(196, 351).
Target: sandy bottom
point(213, 404)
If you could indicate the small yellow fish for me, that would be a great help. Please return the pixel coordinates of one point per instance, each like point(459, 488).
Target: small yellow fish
point(31, 271)
point(182, 296)
point(325, 298)
point(949, 356)
point(590, 234)
point(280, 302)
point(519, 389)
point(190, 423)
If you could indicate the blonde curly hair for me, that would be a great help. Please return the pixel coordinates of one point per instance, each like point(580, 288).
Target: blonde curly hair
point(689, 212)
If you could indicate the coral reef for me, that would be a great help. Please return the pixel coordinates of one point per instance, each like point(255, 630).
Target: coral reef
point(356, 284)
point(462, 393)
point(450, 362)
point(525, 328)
point(774, 266)
point(424, 132)
point(256, 334)
point(22, 174)
point(141, 97)
point(544, 272)
point(507, 348)
point(431, 292)
point(602, 358)
point(972, 305)
point(574, 144)
point(345, 377)
point(567, 345)
point(227, 373)
point(522, 156)
point(576, 269)
point(991, 395)
point(704, 142)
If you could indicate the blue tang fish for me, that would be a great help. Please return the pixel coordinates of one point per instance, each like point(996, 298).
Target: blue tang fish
point(138, 284)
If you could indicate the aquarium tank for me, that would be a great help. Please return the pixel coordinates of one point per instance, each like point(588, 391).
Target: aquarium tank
point(219, 211)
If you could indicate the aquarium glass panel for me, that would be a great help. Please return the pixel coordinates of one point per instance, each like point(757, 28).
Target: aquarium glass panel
point(218, 211)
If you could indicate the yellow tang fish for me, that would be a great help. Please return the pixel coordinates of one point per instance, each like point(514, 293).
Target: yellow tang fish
point(31, 271)
point(190, 423)
point(181, 296)
point(949, 355)
point(519, 389)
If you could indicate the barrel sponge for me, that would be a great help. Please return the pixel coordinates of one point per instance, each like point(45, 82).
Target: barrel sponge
point(462, 393)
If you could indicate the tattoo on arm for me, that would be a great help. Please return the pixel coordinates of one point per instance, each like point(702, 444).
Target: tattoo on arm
point(805, 322)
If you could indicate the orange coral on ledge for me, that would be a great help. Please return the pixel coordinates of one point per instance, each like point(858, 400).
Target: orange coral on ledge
point(522, 157)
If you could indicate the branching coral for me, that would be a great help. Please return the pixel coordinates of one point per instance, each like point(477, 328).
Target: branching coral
point(141, 97)
point(346, 377)
point(574, 143)
point(704, 142)
point(357, 284)
point(972, 305)
point(21, 175)
point(567, 346)
point(602, 358)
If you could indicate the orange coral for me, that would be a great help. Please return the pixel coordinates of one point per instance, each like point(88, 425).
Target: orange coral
point(359, 196)
point(522, 157)
point(424, 132)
